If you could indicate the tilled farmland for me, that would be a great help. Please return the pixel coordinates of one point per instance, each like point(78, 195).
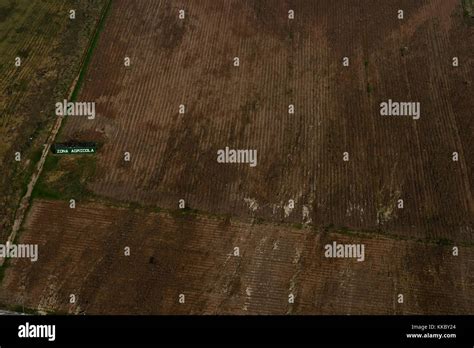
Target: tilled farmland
point(301, 155)
point(194, 255)
point(244, 157)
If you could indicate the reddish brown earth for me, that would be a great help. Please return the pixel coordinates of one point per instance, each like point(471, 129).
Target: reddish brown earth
point(82, 253)
point(299, 156)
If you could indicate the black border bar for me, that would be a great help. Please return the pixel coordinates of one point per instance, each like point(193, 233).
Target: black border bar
point(82, 330)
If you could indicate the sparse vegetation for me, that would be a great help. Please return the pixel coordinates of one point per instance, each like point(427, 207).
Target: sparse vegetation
point(66, 177)
point(46, 75)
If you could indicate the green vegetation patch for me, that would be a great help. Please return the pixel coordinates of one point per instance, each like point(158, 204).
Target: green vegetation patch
point(468, 6)
point(6, 10)
point(66, 177)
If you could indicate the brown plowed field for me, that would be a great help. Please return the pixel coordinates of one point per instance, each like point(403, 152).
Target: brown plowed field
point(300, 156)
point(82, 253)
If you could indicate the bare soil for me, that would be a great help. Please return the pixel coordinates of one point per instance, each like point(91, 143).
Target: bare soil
point(82, 253)
point(300, 156)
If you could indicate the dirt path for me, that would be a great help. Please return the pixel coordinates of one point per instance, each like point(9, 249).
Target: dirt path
point(25, 201)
